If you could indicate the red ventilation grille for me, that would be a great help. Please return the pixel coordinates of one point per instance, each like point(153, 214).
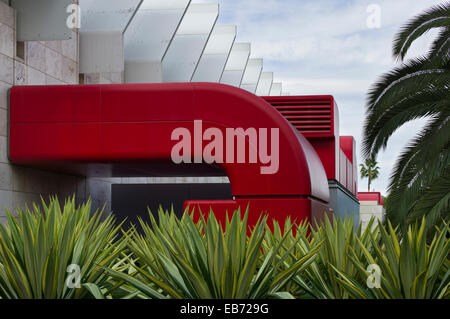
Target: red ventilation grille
point(309, 116)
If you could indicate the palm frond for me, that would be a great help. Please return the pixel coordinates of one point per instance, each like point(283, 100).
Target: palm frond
point(441, 45)
point(435, 17)
point(435, 203)
point(423, 160)
point(379, 128)
point(412, 68)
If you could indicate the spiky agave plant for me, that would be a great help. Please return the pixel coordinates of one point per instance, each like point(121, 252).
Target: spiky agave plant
point(184, 259)
point(338, 238)
point(408, 268)
point(296, 241)
point(38, 245)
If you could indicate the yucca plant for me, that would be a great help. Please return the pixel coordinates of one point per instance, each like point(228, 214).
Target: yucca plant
point(409, 268)
point(203, 260)
point(38, 246)
point(296, 242)
point(319, 279)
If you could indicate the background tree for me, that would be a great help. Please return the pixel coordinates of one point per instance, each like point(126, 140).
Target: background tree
point(370, 170)
point(418, 88)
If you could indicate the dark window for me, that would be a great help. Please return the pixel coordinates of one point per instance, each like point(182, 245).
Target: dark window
point(131, 200)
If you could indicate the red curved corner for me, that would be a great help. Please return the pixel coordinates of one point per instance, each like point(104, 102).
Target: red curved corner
point(125, 130)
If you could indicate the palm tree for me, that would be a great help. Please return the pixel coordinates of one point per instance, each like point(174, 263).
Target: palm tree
point(418, 88)
point(369, 170)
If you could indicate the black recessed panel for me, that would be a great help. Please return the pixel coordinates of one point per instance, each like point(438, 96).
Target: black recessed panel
point(133, 200)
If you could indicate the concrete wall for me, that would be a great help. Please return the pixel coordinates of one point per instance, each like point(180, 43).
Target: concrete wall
point(43, 63)
point(369, 209)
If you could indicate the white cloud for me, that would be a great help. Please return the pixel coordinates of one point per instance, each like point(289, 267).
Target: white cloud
point(331, 86)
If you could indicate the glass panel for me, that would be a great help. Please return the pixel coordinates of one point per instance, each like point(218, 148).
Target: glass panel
point(238, 57)
point(106, 15)
point(149, 34)
point(214, 58)
point(210, 68)
point(199, 18)
point(276, 89)
point(181, 58)
point(252, 74)
point(231, 77)
point(249, 87)
point(264, 84)
point(185, 50)
point(237, 61)
point(221, 39)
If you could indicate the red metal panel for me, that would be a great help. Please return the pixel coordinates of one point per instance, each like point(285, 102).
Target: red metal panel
point(349, 177)
point(126, 129)
point(328, 152)
point(348, 146)
point(342, 169)
point(370, 196)
point(317, 118)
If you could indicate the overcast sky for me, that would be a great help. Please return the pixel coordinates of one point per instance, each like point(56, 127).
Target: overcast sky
point(326, 47)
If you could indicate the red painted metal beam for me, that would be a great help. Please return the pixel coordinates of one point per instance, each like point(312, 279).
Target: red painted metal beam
point(125, 130)
point(370, 196)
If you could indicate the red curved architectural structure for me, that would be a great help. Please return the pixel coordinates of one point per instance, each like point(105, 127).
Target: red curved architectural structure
point(125, 130)
point(316, 117)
